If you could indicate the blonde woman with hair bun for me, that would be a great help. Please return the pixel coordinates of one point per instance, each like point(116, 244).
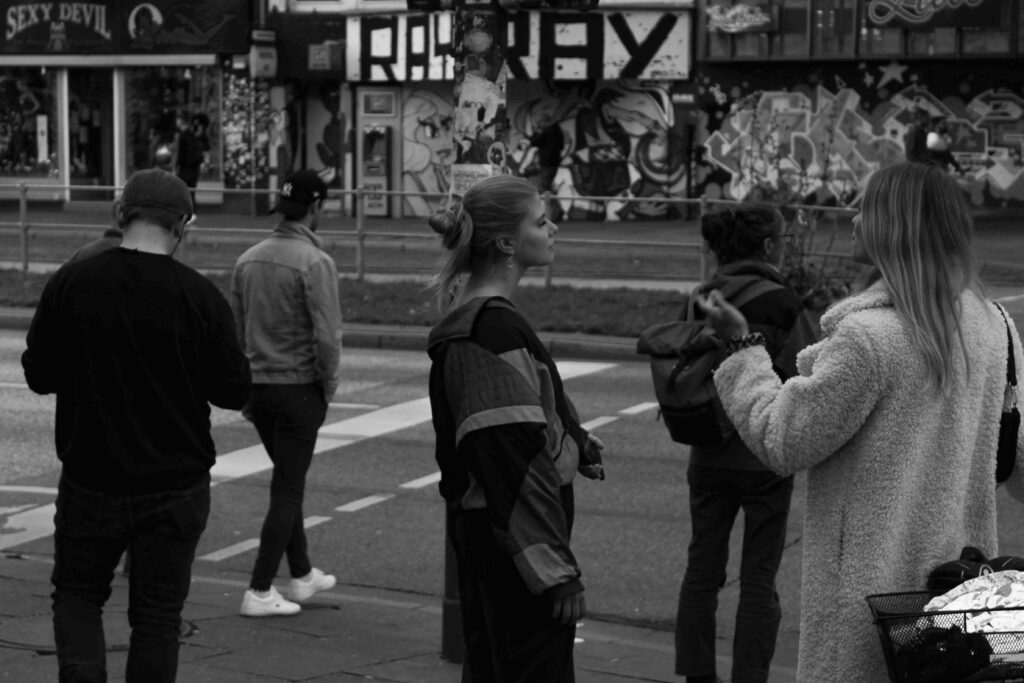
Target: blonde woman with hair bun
point(894, 414)
point(509, 441)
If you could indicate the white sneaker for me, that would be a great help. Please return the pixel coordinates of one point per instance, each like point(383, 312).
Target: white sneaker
point(271, 606)
point(303, 589)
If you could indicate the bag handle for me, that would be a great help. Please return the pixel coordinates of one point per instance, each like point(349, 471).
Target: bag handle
point(1011, 364)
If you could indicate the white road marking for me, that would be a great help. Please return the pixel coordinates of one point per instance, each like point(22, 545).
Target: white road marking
point(13, 509)
point(37, 523)
point(13, 385)
point(27, 526)
point(44, 490)
point(354, 406)
point(598, 422)
point(639, 408)
point(364, 502)
point(251, 543)
point(254, 459)
point(422, 481)
point(232, 550)
point(1007, 299)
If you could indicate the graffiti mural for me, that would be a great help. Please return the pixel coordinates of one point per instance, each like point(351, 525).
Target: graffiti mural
point(621, 140)
point(427, 112)
point(790, 134)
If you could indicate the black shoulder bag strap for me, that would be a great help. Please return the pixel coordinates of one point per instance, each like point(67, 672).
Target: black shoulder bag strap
point(1009, 420)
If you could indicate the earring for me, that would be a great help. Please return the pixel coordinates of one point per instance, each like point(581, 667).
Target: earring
point(509, 262)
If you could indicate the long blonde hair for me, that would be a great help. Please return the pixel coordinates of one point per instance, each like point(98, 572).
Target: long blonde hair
point(470, 228)
point(917, 230)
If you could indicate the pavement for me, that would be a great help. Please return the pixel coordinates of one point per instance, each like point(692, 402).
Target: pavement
point(350, 633)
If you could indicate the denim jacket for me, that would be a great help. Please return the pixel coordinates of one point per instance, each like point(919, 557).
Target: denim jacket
point(284, 294)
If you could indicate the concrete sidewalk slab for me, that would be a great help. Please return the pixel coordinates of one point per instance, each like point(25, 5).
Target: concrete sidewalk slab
point(346, 634)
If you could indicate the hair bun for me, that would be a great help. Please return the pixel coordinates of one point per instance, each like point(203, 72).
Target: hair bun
point(449, 224)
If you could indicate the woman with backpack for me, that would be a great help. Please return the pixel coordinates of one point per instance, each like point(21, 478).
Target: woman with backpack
point(509, 442)
point(895, 414)
point(748, 244)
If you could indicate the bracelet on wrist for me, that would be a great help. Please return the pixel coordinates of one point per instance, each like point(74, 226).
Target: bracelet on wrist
point(744, 341)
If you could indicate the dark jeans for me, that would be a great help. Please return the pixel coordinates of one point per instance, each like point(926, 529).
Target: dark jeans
point(287, 417)
point(510, 634)
point(716, 496)
point(92, 530)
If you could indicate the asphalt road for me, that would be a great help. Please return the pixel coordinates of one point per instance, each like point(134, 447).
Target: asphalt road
point(630, 533)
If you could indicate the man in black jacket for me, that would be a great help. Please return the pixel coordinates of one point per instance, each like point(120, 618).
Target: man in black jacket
point(136, 346)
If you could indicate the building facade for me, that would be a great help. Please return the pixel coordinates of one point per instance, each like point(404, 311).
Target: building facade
point(374, 106)
point(804, 99)
point(89, 92)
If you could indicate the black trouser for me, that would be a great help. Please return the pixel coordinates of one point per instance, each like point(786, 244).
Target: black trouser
point(510, 634)
point(287, 417)
point(92, 530)
point(716, 496)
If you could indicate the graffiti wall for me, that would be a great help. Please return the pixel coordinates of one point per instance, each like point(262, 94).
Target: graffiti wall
point(786, 132)
point(427, 153)
point(328, 131)
point(621, 140)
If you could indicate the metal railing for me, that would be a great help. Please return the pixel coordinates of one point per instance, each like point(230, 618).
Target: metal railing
point(356, 208)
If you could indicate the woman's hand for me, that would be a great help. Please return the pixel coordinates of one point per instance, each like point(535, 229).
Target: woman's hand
point(591, 465)
point(724, 318)
point(570, 609)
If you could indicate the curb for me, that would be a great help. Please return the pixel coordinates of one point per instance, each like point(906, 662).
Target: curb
point(398, 338)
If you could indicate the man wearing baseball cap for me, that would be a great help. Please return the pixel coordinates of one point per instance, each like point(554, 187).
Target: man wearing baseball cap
point(284, 293)
point(136, 346)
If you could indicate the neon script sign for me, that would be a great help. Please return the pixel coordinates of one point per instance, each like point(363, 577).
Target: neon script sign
point(882, 12)
point(737, 19)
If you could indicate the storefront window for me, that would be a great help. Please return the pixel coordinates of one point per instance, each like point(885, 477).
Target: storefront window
point(155, 96)
point(28, 123)
point(751, 45)
point(881, 41)
point(791, 37)
point(833, 28)
point(719, 44)
point(981, 40)
point(938, 41)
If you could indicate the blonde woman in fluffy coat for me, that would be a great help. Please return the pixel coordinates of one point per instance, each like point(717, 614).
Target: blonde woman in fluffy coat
point(895, 415)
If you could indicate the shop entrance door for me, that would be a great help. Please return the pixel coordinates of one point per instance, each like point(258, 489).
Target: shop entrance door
point(90, 134)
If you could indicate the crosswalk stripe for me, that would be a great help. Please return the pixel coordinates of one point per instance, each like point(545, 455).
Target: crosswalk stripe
point(28, 526)
point(598, 422)
point(232, 550)
point(639, 408)
point(422, 481)
point(37, 523)
point(364, 502)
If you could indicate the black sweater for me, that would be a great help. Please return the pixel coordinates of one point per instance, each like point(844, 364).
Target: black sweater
point(136, 346)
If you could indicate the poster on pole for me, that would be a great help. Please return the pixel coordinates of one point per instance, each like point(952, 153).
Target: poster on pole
point(464, 175)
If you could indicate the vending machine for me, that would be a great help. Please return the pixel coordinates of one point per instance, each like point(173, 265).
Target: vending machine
point(376, 169)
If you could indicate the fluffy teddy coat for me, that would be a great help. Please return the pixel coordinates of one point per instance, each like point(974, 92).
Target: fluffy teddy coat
point(900, 478)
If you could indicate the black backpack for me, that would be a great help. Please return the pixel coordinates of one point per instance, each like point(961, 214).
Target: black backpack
point(684, 354)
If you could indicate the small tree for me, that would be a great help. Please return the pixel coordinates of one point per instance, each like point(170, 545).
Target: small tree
point(770, 172)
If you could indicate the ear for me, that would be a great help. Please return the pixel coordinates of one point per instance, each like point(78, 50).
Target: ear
point(120, 215)
point(505, 245)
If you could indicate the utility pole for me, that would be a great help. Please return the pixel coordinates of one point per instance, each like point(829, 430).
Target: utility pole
point(480, 139)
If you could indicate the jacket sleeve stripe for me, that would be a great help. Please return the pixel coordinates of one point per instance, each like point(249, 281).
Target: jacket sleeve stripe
point(503, 415)
point(523, 361)
point(542, 568)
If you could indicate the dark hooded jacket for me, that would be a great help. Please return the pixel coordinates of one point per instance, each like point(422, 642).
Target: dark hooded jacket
point(508, 439)
point(779, 315)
